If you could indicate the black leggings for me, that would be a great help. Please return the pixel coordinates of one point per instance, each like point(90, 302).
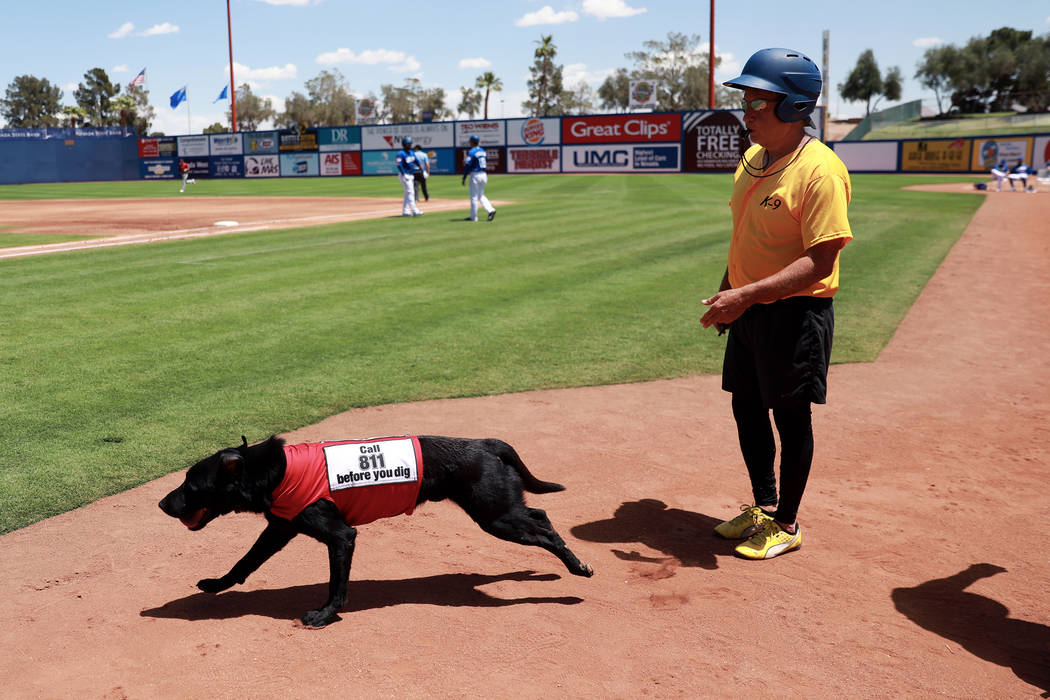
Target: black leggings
point(794, 424)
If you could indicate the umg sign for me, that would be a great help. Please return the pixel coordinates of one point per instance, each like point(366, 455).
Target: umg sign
point(623, 158)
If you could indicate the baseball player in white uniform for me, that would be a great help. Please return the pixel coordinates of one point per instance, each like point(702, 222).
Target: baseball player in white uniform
point(407, 166)
point(477, 161)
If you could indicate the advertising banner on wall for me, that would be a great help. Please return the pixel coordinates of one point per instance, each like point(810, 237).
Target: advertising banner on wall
point(374, 138)
point(713, 140)
point(537, 159)
point(366, 110)
point(299, 164)
point(198, 166)
point(339, 138)
point(1041, 152)
point(622, 128)
point(988, 152)
point(348, 163)
point(262, 166)
point(621, 158)
point(496, 157)
point(162, 147)
point(936, 156)
point(292, 141)
point(158, 169)
point(225, 144)
point(442, 161)
point(260, 142)
point(193, 146)
point(491, 133)
point(226, 166)
point(378, 163)
point(533, 132)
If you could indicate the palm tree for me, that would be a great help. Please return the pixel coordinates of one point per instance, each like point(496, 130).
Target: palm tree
point(545, 53)
point(488, 82)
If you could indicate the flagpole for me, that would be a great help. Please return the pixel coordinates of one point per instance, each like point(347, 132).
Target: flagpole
point(233, 89)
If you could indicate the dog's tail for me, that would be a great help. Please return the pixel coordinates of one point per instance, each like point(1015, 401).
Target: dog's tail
point(531, 484)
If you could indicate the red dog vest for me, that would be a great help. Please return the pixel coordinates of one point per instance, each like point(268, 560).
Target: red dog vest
point(365, 479)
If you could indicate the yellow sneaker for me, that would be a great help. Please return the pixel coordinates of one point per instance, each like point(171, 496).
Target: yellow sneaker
point(770, 541)
point(750, 521)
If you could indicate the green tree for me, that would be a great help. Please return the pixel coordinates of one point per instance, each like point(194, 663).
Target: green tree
point(95, 96)
point(431, 100)
point(408, 102)
point(299, 112)
point(614, 92)
point(489, 83)
point(865, 82)
point(215, 128)
point(31, 103)
point(545, 85)
point(144, 112)
point(680, 70)
point(73, 117)
point(333, 103)
point(934, 72)
point(252, 110)
point(578, 101)
point(469, 102)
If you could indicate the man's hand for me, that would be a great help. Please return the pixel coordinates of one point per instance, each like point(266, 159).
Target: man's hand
point(725, 307)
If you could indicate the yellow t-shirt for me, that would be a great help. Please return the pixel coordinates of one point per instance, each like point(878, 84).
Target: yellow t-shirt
point(778, 217)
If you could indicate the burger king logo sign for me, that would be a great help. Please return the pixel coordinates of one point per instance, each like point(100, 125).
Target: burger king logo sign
point(532, 131)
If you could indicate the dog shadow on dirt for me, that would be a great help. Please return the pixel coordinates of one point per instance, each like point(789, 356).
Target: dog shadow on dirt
point(980, 625)
point(687, 536)
point(453, 590)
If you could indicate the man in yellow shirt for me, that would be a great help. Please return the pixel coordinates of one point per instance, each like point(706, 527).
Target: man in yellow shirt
point(790, 196)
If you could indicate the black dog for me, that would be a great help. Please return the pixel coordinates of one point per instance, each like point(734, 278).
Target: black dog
point(484, 477)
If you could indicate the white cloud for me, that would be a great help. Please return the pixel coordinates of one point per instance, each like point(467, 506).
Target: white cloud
point(546, 15)
point(925, 42)
point(604, 9)
point(474, 63)
point(158, 29)
point(122, 68)
point(397, 61)
point(575, 73)
point(253, 76)
point(122, 31)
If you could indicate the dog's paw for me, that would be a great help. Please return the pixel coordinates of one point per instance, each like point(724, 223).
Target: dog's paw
point(213, 585)
point(319, 618)
point(588, 570)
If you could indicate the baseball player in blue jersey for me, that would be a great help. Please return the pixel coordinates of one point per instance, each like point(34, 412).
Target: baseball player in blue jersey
point(407, 167)
point(477, 161)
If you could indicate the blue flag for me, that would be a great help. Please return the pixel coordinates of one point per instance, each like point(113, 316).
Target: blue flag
point(222, 95)
point(178, 97)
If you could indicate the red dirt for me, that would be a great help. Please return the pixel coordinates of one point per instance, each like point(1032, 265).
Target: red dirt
point(923, 572)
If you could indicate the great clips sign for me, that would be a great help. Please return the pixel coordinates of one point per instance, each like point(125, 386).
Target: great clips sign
point(622, 128)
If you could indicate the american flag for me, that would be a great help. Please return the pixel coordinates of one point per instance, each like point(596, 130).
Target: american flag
point(139, 79)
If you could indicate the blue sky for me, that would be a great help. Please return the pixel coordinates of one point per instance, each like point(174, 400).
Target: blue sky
point(280, 44)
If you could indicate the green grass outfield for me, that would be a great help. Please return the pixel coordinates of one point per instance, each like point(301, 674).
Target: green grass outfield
point(118, 365)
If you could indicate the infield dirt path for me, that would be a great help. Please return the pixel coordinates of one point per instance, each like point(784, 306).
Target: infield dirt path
point(924, 571)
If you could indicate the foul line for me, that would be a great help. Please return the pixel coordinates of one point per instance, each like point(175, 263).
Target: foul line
point(200, 232)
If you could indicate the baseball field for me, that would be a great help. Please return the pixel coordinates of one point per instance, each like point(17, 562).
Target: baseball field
point(139, 336)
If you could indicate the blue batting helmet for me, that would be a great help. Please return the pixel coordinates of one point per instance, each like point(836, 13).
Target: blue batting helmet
point(474, 140)
point(406, 142)
point(789, 73)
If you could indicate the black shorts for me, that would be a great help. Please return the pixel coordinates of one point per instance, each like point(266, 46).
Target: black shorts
point(781, 351)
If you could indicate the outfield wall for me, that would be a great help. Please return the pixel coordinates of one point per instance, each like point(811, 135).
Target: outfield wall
point(658, 142)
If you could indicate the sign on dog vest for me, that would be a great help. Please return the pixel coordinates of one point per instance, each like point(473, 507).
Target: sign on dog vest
point(374, 462)
point(391, 468)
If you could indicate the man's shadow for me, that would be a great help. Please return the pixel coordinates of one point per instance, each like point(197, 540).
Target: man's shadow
point(291, 603)
point(681, 534)
point(979, 624)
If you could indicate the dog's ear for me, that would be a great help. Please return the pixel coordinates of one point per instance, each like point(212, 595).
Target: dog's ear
point(232, 461)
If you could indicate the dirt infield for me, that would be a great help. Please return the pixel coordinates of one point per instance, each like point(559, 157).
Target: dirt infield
point(923, 573)
point(113, 222)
